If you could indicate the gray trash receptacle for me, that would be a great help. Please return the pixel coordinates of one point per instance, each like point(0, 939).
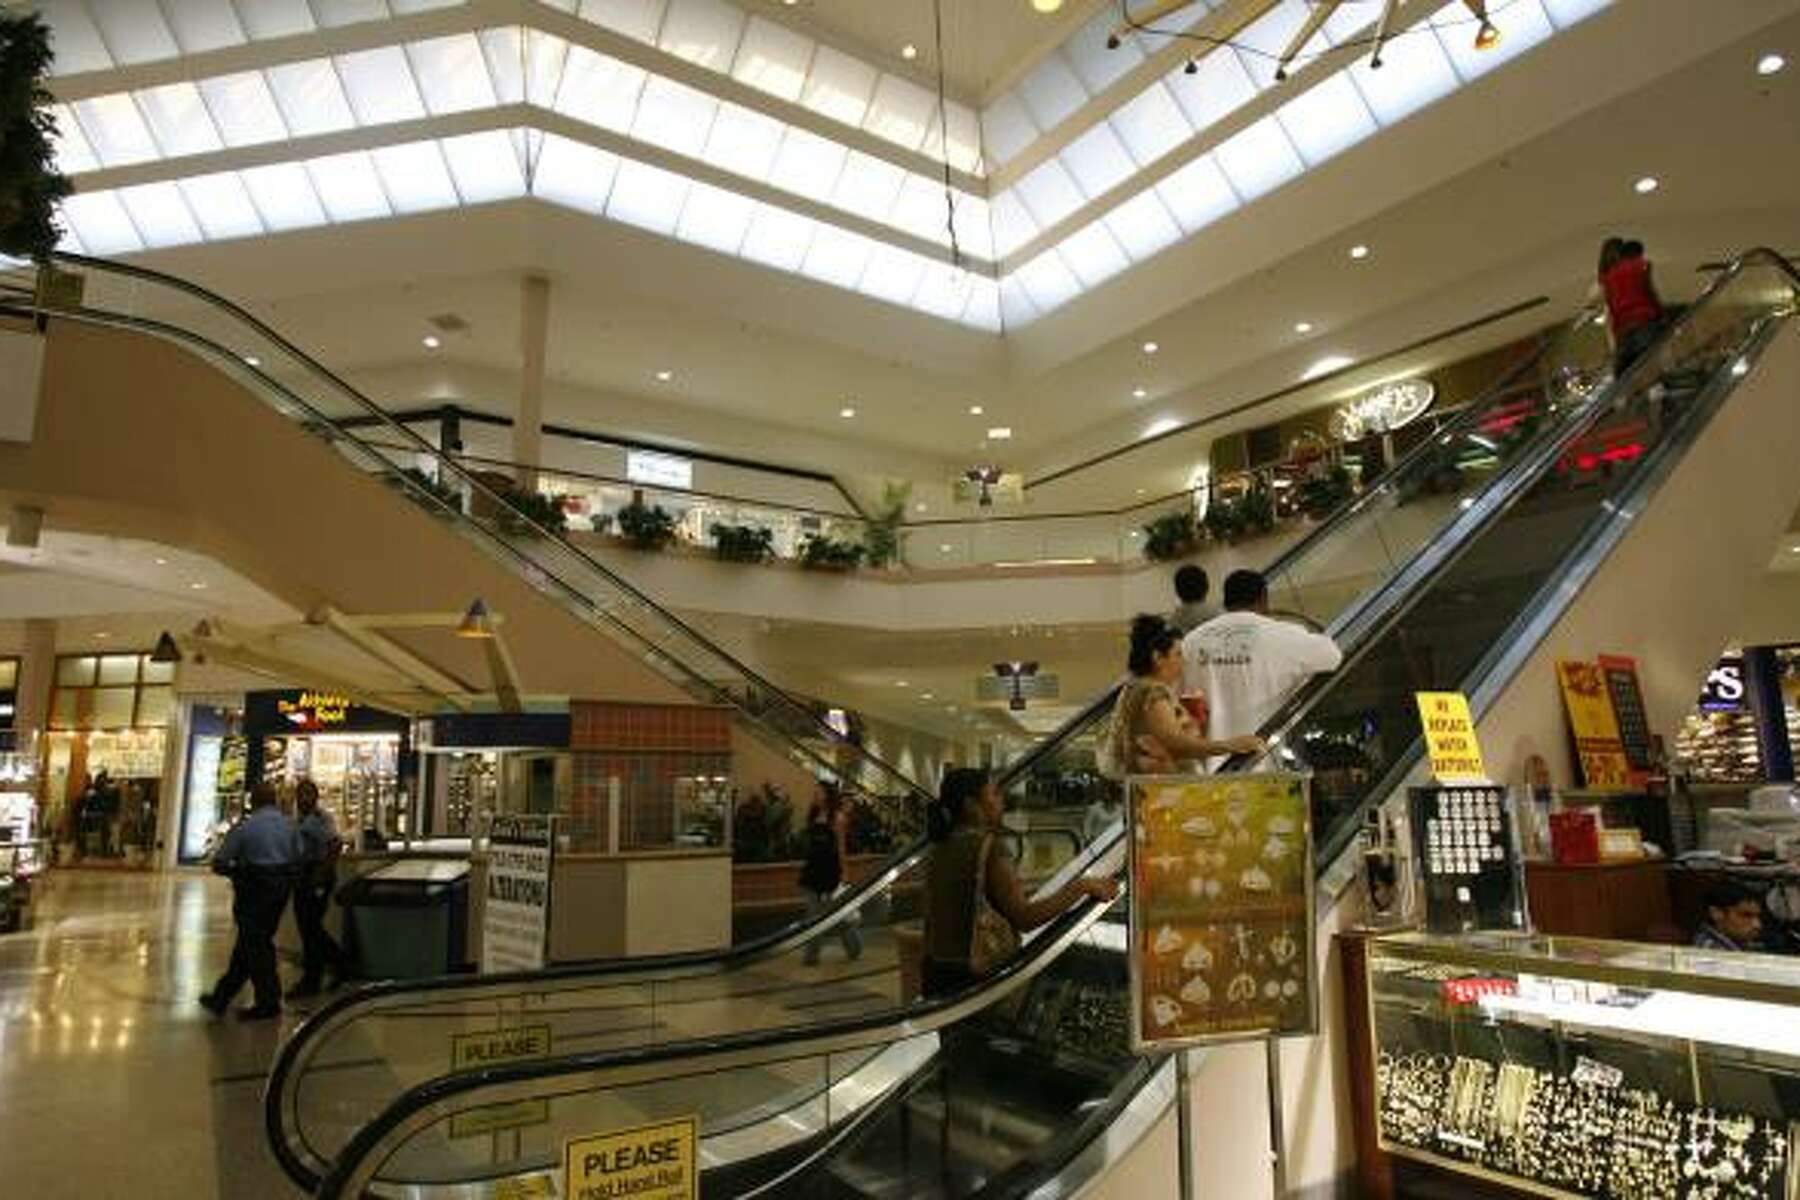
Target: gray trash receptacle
point(408, 918)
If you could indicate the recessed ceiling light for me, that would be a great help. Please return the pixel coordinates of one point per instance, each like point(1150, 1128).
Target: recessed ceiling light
point(909, 51)
point(252, 361)
point(1140, 491)
point(926, 696)
point(1303, 327)
point(1326, 365)
point(1359, 251)
point(432, 342)
point(1151, 347)
point(1769, 64)
point(1646, 185)
point(665, 376)
point(101, 637)
point(946, 548)
point(1139, 393)
point(197, 586)
point(975, 410)
point(846, 413)
point(162, 562)
point(919, 507)
point(1046, 6)
point(1000, 433)
point(901, 683)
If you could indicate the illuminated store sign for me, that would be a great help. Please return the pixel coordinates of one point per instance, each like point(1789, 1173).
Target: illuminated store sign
point(1724, 690)
point(313, 711)
point(659, 470)
point(1383, 409)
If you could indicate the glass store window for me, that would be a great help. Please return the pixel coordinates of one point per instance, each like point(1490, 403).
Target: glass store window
point(9, 704)
point(104, 754)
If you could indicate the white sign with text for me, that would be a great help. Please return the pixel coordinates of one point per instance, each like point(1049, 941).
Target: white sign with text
point(515, 914)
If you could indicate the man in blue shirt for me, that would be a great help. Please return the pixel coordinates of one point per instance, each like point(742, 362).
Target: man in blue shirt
point(259, 855)
point(1733, 918)
point(319, 850)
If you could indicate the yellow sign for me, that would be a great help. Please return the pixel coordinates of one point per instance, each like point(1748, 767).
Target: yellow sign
point(528, 1187)
point(472, 1051)
point(1450, 738)
point(1595, 725)
point(650, 1162)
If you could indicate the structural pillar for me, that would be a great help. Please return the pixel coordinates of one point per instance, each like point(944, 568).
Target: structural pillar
point(37, 672)
point(534, 339)
point(1768, 707)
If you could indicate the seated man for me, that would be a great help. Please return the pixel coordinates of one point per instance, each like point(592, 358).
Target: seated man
point(1733, 918)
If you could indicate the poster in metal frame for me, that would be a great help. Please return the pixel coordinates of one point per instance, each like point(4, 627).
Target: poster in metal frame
point(1222, 892)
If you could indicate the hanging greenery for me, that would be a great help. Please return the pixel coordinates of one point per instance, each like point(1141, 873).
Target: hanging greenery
point(881, 539)
point(30, 186)
point(743, 543)
point(1171, 536)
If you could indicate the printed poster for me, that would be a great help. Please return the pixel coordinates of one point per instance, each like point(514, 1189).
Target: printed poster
point(1596, 729)
point(515, 911)
point(1450, 740)
point(1221, 908)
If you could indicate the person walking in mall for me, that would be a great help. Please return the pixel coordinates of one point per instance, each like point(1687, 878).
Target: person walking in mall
point(258, 855)
point(975, 907)
point(1151, 731)
point(1246, 662)
point(316, 880)
point(1191, 609)
point(1634, 310)
point(827, 850)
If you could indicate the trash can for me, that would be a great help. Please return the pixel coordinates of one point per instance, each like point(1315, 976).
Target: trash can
point(407, 920)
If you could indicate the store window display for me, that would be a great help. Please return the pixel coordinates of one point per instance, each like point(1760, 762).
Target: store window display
point(104, 755)
point(353, 753)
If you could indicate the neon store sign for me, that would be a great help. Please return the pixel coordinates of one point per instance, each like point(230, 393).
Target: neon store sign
point(315, 710)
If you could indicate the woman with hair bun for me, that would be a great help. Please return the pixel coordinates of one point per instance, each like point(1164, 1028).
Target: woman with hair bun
point(1151, 732)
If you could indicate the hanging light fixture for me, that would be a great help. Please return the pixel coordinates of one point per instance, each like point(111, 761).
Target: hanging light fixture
point(166, 650)
point(476, 623)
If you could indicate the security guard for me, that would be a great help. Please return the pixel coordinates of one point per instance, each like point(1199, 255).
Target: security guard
point(259, 855)
point(313, 885)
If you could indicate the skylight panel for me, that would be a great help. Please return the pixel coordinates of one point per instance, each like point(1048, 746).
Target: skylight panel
point(1048, 281)
point(1198, 194)
point(501, 51)
point(892, 275)
point(705, 32)
point(284, 196)
point(839, 86)
point(222, 205)
point(901, 112)
point(772, 58)
point(715, 218)
point(837, 256)
point(974, 225)
point(1151, 124)
point(116, 130)
point(243, 108)
point(944, 291)
point(484, 165)
point(310, 97)
point(1097, 160)
point(1326, 119)
point(1016, 307)
point(807, 163)
point(380, 85)
point(1051, 92)
point(349, 187)
point(983, 311)
point(1007, 128)
point(867, 185)
point(404, 7)
point(1258, 159)
point(674, 116)
point(778, 238)
point(547, 62)
point(274, 18)
point(919, 209)
point(573, 174)
point(101, 223)
point(1049, 193)
point(1415, 73)
point(1142, 225)
point(1093, 255)
point(178, 119)
point(1522, 25)
point(134, 30)
point(348, 12)
point(1219, 87)
point(1098, 67)
point(414, 177)
point(1262, 41)
point(599, 90)
point(965, 138)
point(160, 215)
point(744, 142)
point(1013, 226)
point(452, 74)
point(646, 196)
point(72, 153)
point(636, 19)
point(77, 39)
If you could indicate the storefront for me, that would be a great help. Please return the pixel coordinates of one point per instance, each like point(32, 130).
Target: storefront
point(104, 754)
point(474, 765)
point(213, 789)
point(9, 704)
point(359, 757)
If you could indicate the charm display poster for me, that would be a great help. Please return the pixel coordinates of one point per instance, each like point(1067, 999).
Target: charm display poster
point(1221, 909)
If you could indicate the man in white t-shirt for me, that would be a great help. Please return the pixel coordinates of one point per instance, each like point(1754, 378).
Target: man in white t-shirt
point(1246, 663)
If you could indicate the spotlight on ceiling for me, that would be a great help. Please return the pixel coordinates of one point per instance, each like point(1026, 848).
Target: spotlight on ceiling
point(1770, 64)
point(1046, 6)
point(1646, 185)
point(476, 623)
point(166, 650)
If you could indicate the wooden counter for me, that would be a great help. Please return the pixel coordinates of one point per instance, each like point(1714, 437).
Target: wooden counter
point(1626, 901)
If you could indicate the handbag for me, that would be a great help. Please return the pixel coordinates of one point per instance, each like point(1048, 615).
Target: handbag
point(992, 939)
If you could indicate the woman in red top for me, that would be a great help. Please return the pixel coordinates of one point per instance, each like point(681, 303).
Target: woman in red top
point(1632, 304)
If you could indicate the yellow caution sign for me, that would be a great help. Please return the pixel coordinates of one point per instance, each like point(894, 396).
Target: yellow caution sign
point(526, 1187)
point(491, 1047)
point(649, 1162)
point(1450, 738)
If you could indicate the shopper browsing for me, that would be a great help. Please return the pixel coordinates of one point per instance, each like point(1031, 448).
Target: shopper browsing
point(1191, 609)
point(258, 855)
point(1152, 732)
point(320, 847)
point(1246, 663)
point(1733, 918)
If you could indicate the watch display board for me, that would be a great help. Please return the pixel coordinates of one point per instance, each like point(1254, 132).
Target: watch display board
point(1221, 909)
point(1467, 858)
point(1627, 695)
point(1598, 746)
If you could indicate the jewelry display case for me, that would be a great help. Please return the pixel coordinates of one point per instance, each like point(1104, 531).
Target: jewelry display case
point(1574, 1067)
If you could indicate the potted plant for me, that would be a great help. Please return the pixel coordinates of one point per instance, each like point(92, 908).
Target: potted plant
point(30, 186)
point(1170, 536)
point(646, 526)
point(881, 536)
point(1321, 495)
point(528, 511)
point(822, 553)
point(743, 543)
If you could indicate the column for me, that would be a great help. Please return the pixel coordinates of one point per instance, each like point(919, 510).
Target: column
point(37, 673)
point(1762, 680)
point(534, 338)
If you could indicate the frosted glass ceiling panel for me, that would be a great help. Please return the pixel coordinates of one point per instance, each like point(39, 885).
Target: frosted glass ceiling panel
point(284, 196)
point(637, 19)
point(867, 186)
point(1198, 194)
point(1416, 71)
point(573, 174)
point(944, 291)
point(777, 238)
point(501, 50)
point(1098, 161)
point(1219, 87)
point(348, 12)
point(1093, 255)
point(485, 166)
point(893, 275)
point(1006, 128)
point(674, 116)
point(705, 32)
point(452, 74)
point(77, 40)
point(310, 98)
point(839, 86)
point(349, 187)
point(1016, 307)
point(179, 120)
point(135, 32)
point(1048, 281)
point(647, 197)
point(984, 306)
point(715, 218)
point(1049, 193)
point(244, 109)
point(414, 177)
point(380, 85)
point(807, 163)
point(974, 226)
point(73, 154)
point(599, 90)
point(160, 214)
point(115, 130)
point(1142, 225)
point(1151, 124)
point(901, 112)
point(919, 209)
point(1522, 25)
point(1262, 41)
point(222, 206)
point(1051, 92)
point(1567, 12)
point(101, 223)
point(965, 138)
point(403, 7)
point(1326, 119)
point(1258, 159)
point(274, 18)
point(1013, 226)
point(547, 59)
point(744, 142)
point(773, 59)
point(1098, 67)
point(837, 256)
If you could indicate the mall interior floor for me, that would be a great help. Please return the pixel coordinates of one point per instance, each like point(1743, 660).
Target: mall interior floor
point(113, 1079)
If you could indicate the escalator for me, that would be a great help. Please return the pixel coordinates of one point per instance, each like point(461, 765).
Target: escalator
point(1023, 1084)
point(364, 1048)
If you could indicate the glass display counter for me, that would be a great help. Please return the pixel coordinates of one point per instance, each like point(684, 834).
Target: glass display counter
point(1573, 1067)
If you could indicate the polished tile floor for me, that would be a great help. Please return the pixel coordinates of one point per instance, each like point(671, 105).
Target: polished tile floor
point(113, 1080)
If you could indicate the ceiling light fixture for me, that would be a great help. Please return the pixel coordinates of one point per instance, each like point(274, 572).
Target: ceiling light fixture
point(1303, 327)
point(1770, 64)
point(846, 413)
point(1646, 185)
point(909, 52)
point(1151, 347)
point(250, 360)
point(432, 342)
point(1359, 251)
point(477, 622)
point(665, 376)
point(197, 586)
point(975, 410)
point(1139, 393)
point(101, 636)
point(1046, 6)
point(166, 650)
point(161, 562)
point(945, 548)
point(1000, 433)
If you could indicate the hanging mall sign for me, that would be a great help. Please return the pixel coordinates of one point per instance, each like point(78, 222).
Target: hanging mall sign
point(1383, 409)
point(659, 470)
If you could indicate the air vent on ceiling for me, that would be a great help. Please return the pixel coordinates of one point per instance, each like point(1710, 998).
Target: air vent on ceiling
point(448, 323)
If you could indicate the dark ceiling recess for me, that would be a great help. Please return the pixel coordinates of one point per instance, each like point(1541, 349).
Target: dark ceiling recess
point(448, 323)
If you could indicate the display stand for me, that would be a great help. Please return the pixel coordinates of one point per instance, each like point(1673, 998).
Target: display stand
point(1277, 1131)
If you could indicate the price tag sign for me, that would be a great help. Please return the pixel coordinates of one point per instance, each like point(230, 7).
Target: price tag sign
point(1450, 738)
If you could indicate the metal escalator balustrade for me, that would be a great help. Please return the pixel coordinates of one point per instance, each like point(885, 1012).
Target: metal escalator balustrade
point(1527, 544)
